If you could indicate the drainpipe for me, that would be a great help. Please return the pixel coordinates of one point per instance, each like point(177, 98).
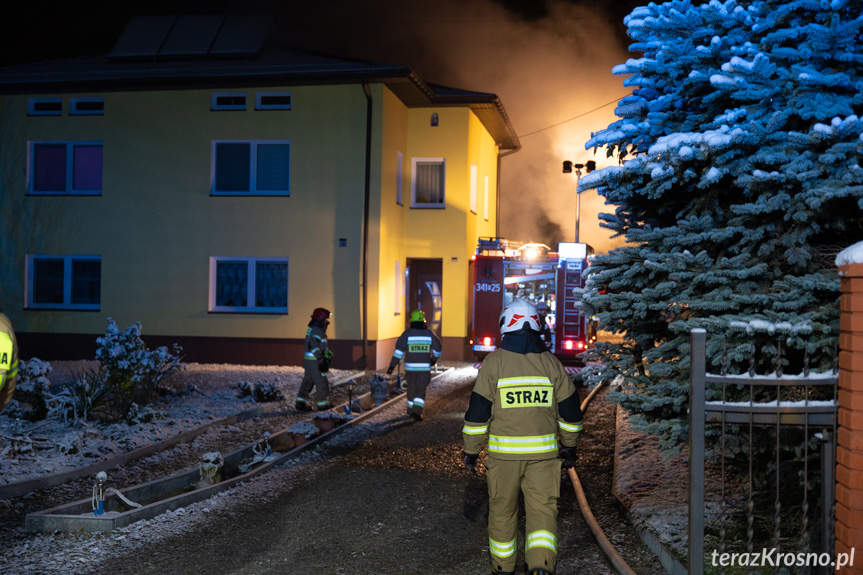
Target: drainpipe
point(366, 199)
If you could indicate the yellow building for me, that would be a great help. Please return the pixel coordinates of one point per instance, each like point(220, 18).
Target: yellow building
point(218, 191)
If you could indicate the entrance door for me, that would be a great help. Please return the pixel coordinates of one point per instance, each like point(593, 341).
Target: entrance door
point(425, 286)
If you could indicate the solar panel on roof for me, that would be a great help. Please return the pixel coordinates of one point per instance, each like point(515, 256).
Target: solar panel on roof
point(142, 37)
point(192, 35)
point(241, 34)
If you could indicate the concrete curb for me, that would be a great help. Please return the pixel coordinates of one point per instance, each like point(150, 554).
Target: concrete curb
point(19, 488)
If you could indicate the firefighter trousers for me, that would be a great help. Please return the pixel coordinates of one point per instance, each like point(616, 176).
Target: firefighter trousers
point(539, 481)
point(313, 378)
point(417, 382)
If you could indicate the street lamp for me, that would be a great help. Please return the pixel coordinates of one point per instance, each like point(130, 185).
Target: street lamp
point(567, 169)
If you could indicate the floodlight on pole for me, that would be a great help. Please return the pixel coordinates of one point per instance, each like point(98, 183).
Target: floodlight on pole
point(568, 168)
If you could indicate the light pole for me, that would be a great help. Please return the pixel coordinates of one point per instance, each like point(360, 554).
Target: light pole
point(567, 169)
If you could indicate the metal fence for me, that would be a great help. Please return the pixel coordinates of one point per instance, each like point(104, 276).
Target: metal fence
point(807, 419)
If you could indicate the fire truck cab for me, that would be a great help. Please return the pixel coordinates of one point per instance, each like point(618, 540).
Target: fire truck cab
point(501, 271)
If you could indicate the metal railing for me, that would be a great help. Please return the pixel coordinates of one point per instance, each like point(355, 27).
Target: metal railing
point(815, 417)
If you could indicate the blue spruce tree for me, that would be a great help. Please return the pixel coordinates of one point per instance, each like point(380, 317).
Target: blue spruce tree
point(739, 180)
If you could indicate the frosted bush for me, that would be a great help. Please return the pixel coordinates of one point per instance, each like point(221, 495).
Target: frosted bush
point(130, 370)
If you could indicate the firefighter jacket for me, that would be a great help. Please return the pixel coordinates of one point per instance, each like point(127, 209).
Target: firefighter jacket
point(419, 346)
point(522, 402)
point(316, 342)
point(8, 361)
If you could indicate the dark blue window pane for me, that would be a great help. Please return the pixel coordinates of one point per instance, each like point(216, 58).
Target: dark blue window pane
point(48, 281)
point(271, 285)
point(232, 167)
point(86, 281)
point(274, 163)
point(49, 168)
point(232, 284)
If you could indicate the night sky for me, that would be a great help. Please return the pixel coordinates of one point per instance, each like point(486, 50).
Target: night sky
point(549, 61)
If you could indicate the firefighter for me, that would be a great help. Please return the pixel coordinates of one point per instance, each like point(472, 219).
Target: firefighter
point(8, 361)
point(316, 363)
point(420, 348)
point(523, 402)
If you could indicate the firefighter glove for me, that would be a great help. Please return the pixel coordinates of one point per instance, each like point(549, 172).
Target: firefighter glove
point(470, 461)
point(567, 457)
point(390, 370)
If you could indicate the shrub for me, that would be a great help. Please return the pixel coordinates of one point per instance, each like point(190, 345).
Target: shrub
point(31, 388)
point(130, 371)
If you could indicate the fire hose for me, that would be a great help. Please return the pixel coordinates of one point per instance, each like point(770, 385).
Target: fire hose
point(608, 549)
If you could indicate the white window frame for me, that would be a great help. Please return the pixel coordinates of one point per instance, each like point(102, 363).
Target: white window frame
point(426, 205)
point(67, 303)
point(33, 102)
point(253, 172)
point(216, 96)
point(75, 111)
point(400, 177)
point(250, 290)
point(474, 185)
point(399, 289)
point(485, 201)
point(70, 168)
point(259, 105)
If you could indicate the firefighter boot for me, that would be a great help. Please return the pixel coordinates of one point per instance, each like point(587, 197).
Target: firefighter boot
point(540, 571)
point(301, 404)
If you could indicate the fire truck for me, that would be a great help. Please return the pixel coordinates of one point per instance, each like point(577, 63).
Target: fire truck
point(502, 271)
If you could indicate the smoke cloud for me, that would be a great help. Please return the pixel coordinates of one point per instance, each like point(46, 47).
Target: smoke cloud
point(552, 72)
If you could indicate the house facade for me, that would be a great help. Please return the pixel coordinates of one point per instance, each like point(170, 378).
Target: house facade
point(219, 198)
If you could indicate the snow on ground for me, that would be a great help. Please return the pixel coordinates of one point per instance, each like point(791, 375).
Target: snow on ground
point(80, 553)
point(201, 394)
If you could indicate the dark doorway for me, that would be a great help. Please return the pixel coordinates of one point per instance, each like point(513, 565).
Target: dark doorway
point(425, 286)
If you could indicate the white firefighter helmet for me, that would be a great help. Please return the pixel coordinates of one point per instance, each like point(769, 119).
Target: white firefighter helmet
point(519, 314)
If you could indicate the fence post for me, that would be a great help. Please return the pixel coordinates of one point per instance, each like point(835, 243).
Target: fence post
point(849, 440)
point(697, 351)
point(828, 484)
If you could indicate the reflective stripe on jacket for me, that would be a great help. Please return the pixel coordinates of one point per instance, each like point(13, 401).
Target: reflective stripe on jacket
point(517, 408)
point(419, 348)
point(316, 342)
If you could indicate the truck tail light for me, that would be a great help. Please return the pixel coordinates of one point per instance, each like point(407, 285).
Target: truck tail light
point(486, 341)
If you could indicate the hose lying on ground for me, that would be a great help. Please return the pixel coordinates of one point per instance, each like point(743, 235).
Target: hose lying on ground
point(607, 548)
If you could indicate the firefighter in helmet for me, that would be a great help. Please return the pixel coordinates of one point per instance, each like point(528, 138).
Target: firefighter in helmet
point(420, 348)
point(316, 363)
point(523, 402)
point(8, 361)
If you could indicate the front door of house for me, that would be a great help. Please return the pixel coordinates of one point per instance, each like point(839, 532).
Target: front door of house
point(425, 287)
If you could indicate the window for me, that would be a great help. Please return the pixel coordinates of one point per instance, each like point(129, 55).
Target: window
point(65, 168)
point(485, 201)
point(474, 183)
point(273, 101)
point(227, 101)
point(87, 106)
point(260, 168)
point(400, 162)
point(64, 282)
point(399, 295)
point(427, 183)
point(44, 106)
point(250, 285)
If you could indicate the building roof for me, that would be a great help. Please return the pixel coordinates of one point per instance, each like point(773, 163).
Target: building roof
point(228, 52)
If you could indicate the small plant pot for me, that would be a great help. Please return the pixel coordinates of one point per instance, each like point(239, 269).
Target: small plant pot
point(325, 424)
